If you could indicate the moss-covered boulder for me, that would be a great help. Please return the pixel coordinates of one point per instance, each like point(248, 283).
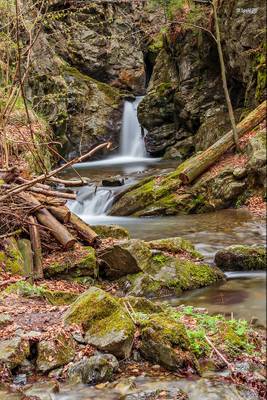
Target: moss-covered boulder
point(124, 258)
point(11, 258)
point(165, 342)
point(176, 245)
point(14, 351)
point(241, 258)
point(257, 153)
point(92, 370)
point(142, 305)
point(111, 231)
point(81, 263)
point(55, 351)
point(167, 275)
point(105, 322)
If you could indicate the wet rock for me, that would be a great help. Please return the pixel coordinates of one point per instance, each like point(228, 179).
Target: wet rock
point(111, 231)
point(175, 245)
point(165, 342)
point(5, 319)
point(55, 352)
point(181, 150)
point(241, 258)
point(41, 391)
point(124, 258)
point(104, 320)
point(167, 275)
point(153, 394)
point(115, 181)
point(84, 265)
point(142, 305)
point(14, 351)
point(93, 370)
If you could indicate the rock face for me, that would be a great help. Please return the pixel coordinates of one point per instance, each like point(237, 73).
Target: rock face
point(96, 369)
point(241, 258)
point(185, 97)
point(106, 324)
point(165, 342)
point(55, 352)
point(90, 61)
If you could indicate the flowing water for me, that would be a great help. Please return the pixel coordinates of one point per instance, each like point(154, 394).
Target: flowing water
point(243, 294)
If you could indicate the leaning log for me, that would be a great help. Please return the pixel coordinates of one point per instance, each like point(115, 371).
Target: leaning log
point(84, 230)
point(56, 228)
point(36, 248)
point(25, 248)
point(62, 213)
point(195, 166)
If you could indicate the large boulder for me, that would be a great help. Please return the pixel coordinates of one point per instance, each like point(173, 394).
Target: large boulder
point(106, 324)
point(124, 258)
point(165, 342)
point(168, 275)
point(14, 351)
point(55, 352)
point(241, 258)
point(92, 370)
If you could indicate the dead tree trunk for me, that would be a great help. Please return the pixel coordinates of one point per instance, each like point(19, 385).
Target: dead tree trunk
point(36, 248)
point(195, 166)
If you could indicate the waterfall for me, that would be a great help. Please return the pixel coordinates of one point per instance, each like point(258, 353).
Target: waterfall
point(132, 142)
point(94, 201)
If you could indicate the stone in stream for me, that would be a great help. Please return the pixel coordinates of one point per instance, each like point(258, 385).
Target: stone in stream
point(111, 231)
point(14, 351)
point(113, 181)
point(241, 258)
point(165, 342)
point(106, 324)
point(93, 370)
point(124, 258)
point(55, 352)
point(169, 275)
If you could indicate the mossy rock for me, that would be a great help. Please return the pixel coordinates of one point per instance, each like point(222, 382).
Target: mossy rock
point(83, 265)
point(55, 352)
point(105, 322)
point(165, 342)
point(241, 258)
point(11, 257)
point(168, 275)
point(176, 245)
point(111, 231)
point(14, 351)
point(142, 305)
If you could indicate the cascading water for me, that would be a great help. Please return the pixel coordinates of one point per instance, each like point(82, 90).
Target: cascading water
point(132, 141)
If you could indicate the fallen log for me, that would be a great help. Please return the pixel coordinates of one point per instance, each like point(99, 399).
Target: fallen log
point(36, 248)
point(56, 228)
point(195, 166)
point(61, 213)
point(84, 230)
point(52, 193)
point(69, 183)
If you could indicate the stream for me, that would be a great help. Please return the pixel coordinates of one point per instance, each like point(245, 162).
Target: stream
point(242, 295)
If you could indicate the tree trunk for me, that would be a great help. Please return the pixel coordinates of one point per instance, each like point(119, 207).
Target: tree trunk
point(84, 230)
point(195, 166)
point(25, 248)
point(36, 248)
point(223, 74)
point(56, 228)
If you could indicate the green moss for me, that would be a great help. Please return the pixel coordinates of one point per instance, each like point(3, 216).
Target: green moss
point(261, 73)
point(176, 245)
point(12, 258)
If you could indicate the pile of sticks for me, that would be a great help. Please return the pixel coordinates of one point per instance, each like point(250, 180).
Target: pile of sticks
point(32, 209)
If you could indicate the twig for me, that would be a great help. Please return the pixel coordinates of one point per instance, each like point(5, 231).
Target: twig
point(229, 365)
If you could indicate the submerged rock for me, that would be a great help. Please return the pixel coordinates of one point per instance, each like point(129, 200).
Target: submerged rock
point(104, 320)
point(55, 352)
point(14, 351)
point(92, 370)
point(165, 342)
point(124, 258)
point(243, 258)
point(113, 231)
